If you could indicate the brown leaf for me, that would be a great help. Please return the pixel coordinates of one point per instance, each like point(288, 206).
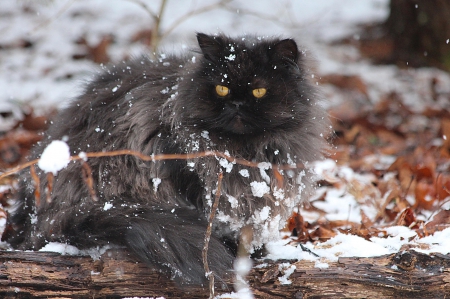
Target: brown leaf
point(390, 142)
point(350, 82)
point(425, 164)
point(291, 224)
point(9, 152)
point(301, 228)
point(366, 222)
point(25, 139)
point(362, 191)
point(351, 135)
point(378, 49)
point(406, 218)
point(362, 231)
point(144, 36)
point(97, 53)
point(32, 122)
point(405, 173)
point(445, 132)
point(425, 194)
point(322, 234)
point(5, 196)
point(442, 186)
point(439, 222)
point(14, 146)
point(391, 104)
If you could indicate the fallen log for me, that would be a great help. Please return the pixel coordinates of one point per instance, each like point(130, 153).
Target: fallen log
point(408, 274)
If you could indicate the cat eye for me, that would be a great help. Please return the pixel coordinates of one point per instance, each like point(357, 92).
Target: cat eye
point(222, 90)
point(259, 92)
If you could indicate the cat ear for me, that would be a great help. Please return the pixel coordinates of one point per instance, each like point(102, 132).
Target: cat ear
point(286, 49)
point(211, 46)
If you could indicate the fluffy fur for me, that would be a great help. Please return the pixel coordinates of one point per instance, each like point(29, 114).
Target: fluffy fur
point(170, 105)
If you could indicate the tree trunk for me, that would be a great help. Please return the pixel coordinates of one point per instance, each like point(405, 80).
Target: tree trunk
point(420, 32)
point(50, 275)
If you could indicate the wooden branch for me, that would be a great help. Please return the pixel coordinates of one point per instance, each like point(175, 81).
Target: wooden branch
point(408, 274)
point(212, 215)
point(160, 157)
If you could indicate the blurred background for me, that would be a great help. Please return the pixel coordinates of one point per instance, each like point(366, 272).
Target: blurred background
point(48, 46)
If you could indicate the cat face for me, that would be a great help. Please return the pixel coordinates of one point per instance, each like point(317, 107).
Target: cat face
point(247, 86)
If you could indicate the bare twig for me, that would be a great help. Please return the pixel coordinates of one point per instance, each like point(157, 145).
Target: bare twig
point(18, 168)
point(156, 27)
point(160, 157)
point(212, 215)
point(206, 8)
point(87, 176)
point(37, 190)
point(278, 176)
point(274, 18)
point(50, 178)
point(62, 10)
point(157, 34)
point(146, 8)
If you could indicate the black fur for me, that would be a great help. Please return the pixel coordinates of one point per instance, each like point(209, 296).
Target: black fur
point(159, 209)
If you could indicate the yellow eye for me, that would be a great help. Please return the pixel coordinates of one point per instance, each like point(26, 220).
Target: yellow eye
point(222, 90)
point(259, 92)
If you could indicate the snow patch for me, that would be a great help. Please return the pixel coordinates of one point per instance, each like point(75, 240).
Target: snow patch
point(156, 182)
point(205, 134)
point(262, 170)
point(438, 242)
point(244, 173)
point(259, 188)
point(233, 201)
point(83, 156)
point(55, 157)
point(264, 213)
point(241, 294)
point(61, 248)
point(242, 265)
point(321, 265)
point(288, 269)
point(231, 57)
point(227, 165)
point(107, 206)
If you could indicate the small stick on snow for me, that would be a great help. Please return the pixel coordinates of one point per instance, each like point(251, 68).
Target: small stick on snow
point(208, 272)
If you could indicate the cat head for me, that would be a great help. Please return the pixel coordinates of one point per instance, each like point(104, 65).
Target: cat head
point(246, 86)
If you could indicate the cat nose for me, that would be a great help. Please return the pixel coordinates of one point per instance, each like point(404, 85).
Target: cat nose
point(236, 104)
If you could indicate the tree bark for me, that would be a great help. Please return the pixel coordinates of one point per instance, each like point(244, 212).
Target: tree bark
point(420, 32)
point(115, 275)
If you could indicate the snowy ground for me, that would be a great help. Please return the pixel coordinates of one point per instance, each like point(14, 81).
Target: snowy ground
point(43, 75)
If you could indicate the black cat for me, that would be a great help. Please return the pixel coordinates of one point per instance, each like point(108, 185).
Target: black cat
point(247, 97)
